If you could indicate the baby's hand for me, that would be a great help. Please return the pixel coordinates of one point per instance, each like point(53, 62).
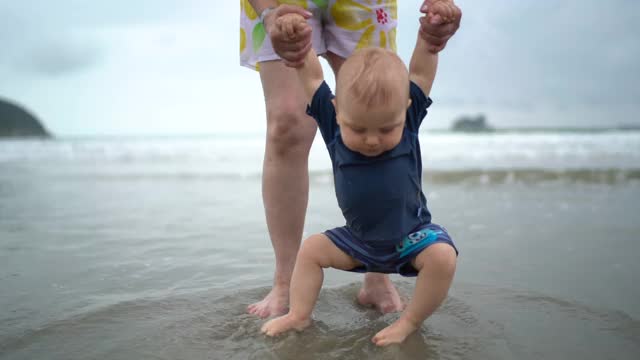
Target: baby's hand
point(442, 12)
point(440, 23)
point(291, 25)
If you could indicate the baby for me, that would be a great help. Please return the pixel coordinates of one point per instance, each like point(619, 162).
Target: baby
point(371, 131)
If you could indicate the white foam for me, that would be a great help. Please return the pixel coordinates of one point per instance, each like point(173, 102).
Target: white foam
point(243, 155)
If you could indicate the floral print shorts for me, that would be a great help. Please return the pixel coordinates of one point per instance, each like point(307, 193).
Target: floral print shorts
point(339, 26)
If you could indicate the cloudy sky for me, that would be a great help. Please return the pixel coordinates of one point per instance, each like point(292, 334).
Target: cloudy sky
point(134, 67)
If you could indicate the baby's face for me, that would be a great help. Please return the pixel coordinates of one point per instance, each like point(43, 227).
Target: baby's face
point(371, 131)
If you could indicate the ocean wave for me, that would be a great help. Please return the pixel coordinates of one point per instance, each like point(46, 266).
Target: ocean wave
point(515, 176)
point(606, 176)
point(605, 157)
point(467, 176)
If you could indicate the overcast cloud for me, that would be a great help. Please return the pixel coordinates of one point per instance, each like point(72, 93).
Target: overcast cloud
point(168, 67)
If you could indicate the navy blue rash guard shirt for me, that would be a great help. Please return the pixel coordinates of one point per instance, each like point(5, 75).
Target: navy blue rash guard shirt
point(380, 197)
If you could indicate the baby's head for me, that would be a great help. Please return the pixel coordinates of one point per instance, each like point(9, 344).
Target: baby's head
point(372, 96)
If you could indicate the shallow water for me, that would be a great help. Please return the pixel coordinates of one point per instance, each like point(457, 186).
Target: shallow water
point(476, 322)
point(140, 259)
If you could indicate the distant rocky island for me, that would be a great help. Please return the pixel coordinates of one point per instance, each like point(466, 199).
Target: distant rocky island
point(15, 121)
point(471, 124)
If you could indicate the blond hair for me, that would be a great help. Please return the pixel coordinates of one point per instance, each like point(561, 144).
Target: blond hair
point(373, 77)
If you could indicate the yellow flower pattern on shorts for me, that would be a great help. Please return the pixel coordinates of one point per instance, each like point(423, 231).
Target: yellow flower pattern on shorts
point(360, 15)
point(301, 3)
point(340, 26)
point(243, 40)
point(258, 33)
point(247, 9)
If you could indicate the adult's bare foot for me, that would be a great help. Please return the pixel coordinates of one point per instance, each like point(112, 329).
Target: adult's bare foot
point(394, 333)
point(284, 323)
point(378, 291)
point(276, 303)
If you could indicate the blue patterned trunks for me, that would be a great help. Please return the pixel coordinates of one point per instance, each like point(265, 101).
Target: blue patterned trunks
point(389, 259)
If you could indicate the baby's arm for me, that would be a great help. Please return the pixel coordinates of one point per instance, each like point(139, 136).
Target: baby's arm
point(310, 73)
point(422, 69)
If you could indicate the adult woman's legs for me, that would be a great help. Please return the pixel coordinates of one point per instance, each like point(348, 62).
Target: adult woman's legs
point(285, 177)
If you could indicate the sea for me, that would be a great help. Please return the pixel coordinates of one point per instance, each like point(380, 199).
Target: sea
point(152, 248)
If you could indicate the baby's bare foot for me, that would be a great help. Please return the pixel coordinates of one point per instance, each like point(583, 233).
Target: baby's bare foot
point(380, 294)
point(274, 304)
point(395, 333)
point(284, 323)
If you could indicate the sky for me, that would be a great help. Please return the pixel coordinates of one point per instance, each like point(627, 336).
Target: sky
point(159, 67)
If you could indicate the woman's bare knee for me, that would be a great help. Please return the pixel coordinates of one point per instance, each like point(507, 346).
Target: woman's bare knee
point(289, 128)
point(290, 131)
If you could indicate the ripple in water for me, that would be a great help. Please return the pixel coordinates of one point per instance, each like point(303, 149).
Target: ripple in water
point(474, 323)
